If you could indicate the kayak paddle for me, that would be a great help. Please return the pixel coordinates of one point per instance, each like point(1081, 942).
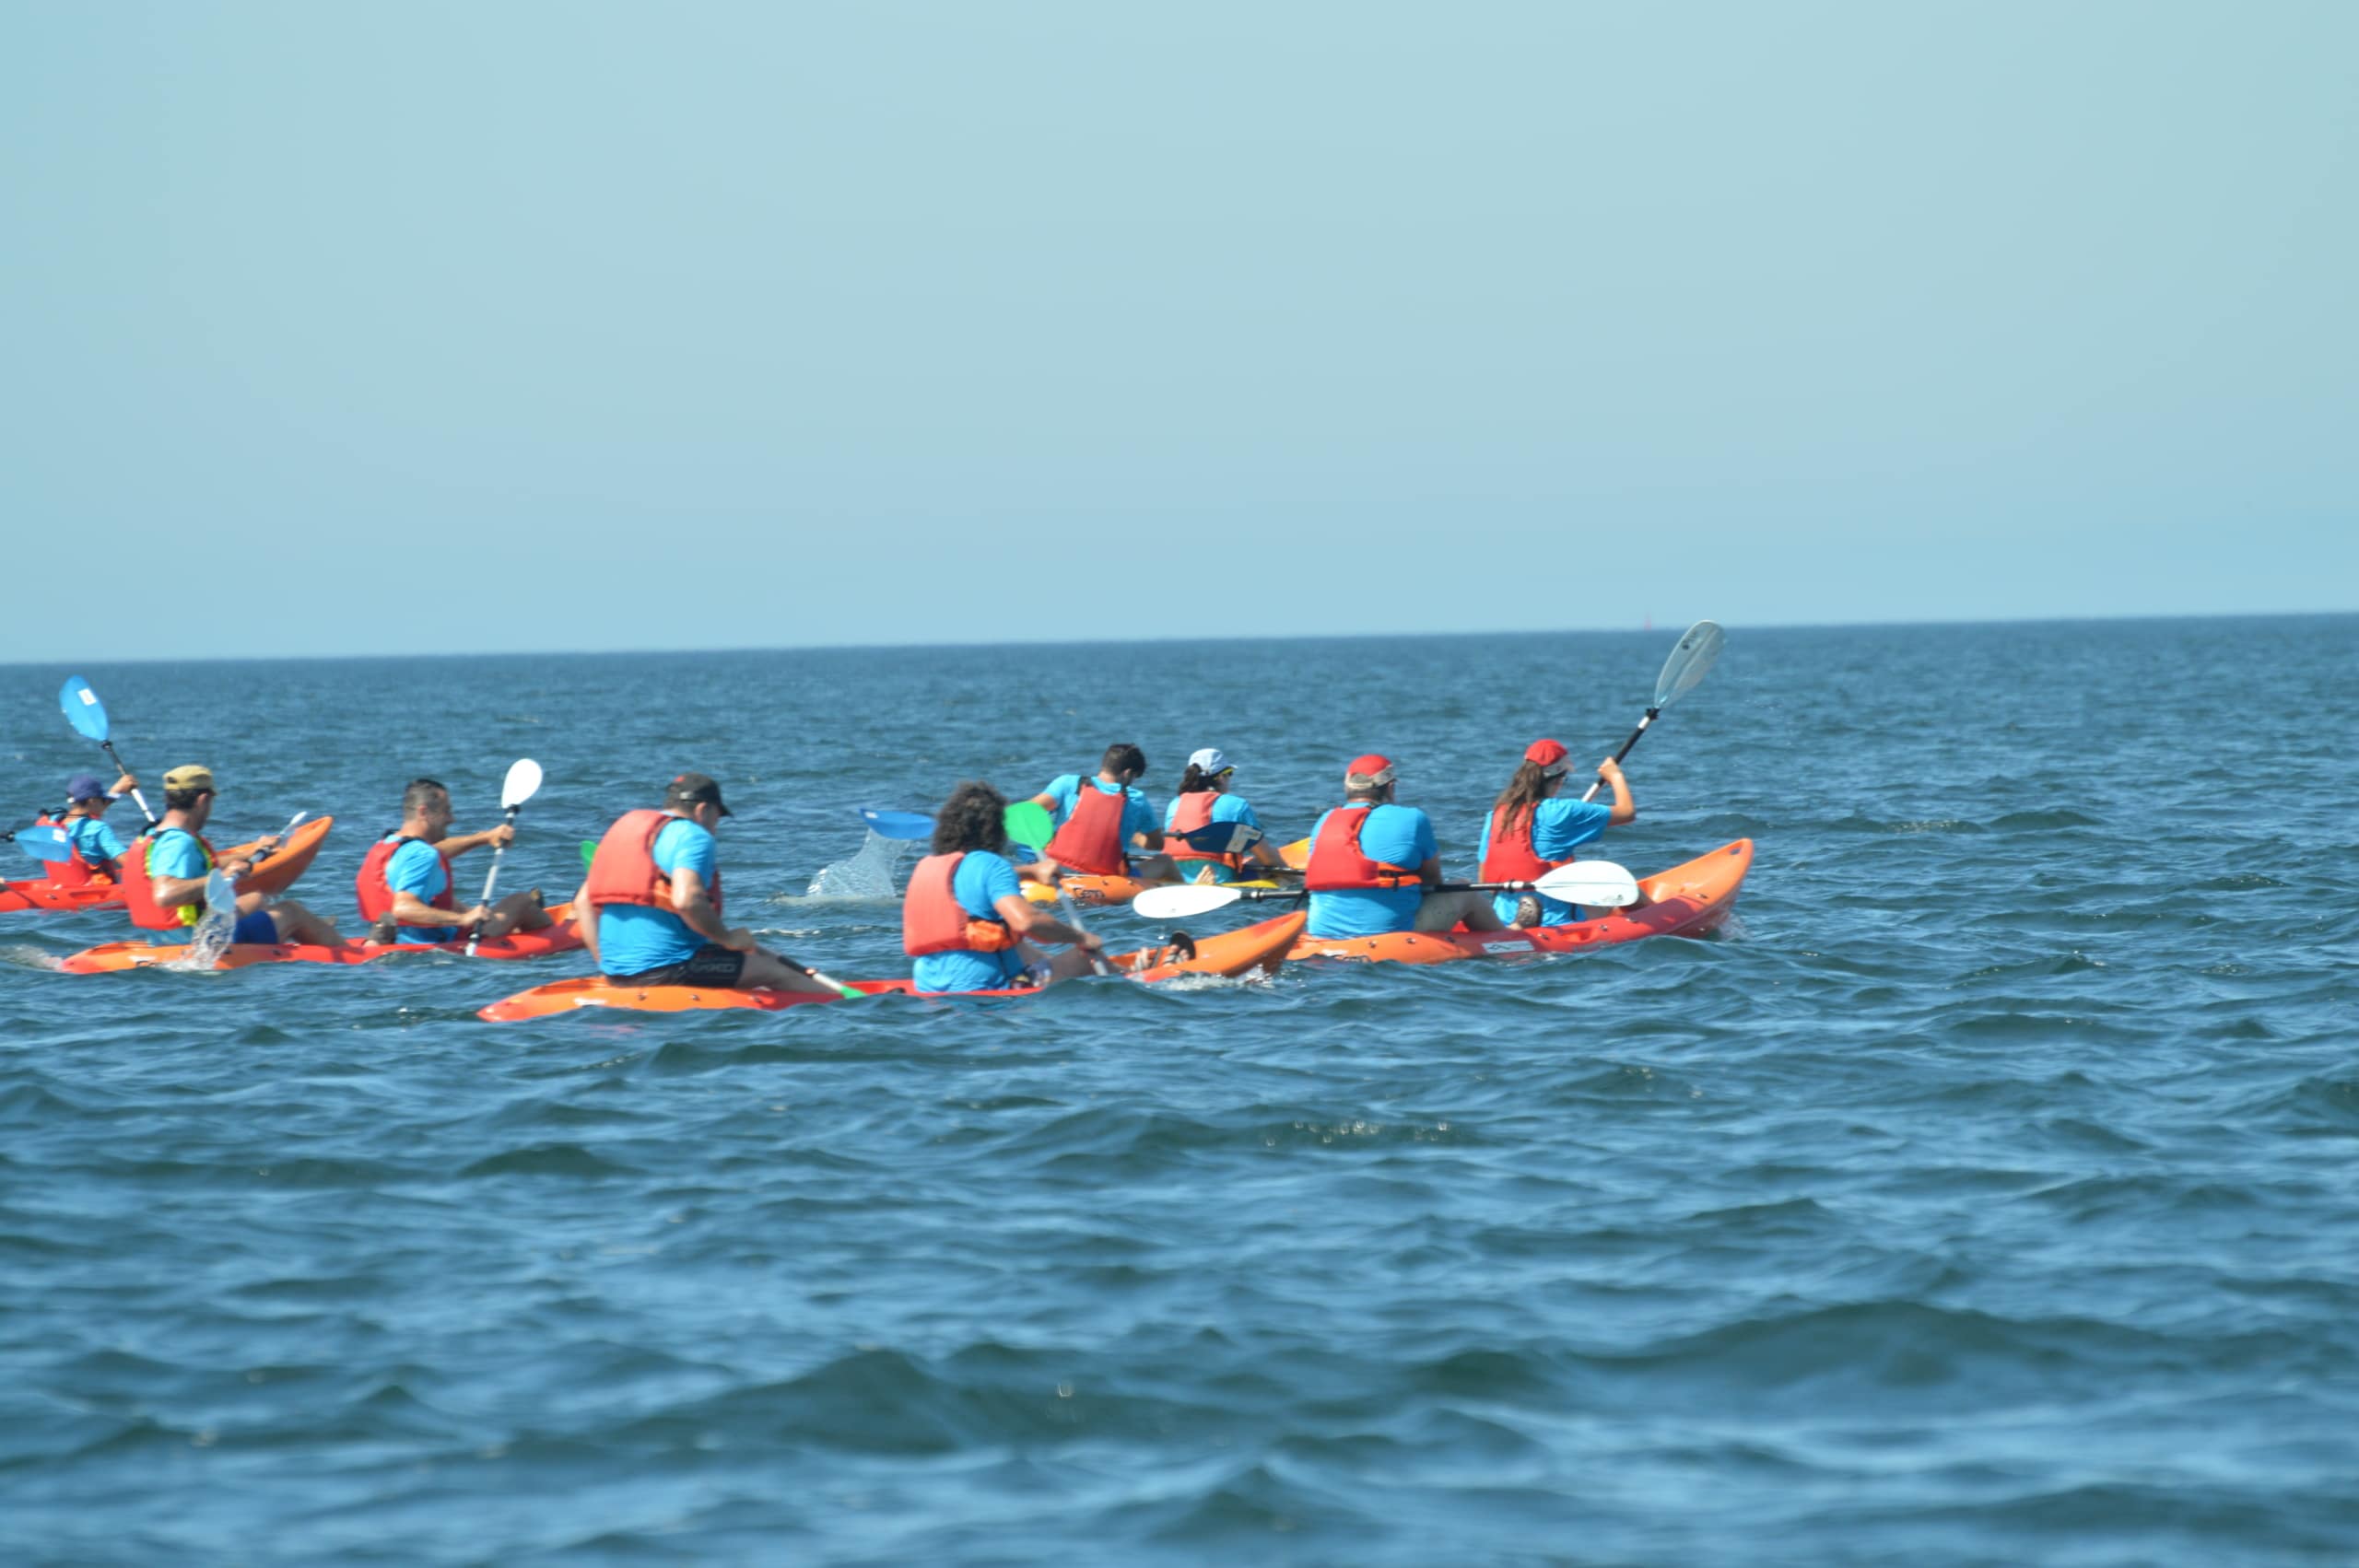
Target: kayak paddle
point(904, 826)
point(44, 841)
point(1028, 822)
point(589, 852)
point(1688, 663)
point(210, 937)
point(292, 824)
point(1601, 884)
point(522, 783)
point(89, 716)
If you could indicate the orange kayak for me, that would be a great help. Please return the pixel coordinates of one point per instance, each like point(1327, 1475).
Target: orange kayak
point(1688, 900)
point(559, 936)
point(273, 876)
point(1232, 952)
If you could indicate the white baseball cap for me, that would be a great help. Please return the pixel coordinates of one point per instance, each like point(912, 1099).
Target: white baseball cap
point(1209, 761)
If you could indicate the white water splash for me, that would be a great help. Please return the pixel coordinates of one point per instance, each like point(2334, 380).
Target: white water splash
point(868, 874)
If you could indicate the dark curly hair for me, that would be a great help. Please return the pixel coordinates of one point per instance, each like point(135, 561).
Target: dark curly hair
point(974, 817)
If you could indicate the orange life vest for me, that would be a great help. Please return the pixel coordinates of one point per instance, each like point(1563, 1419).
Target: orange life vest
point(1091, 839)
point(622, 870)
point(1510, 857)
point(1192, 813)
point(375, 894)
point(933, 920)
point(1337, 864)
point(139, 893)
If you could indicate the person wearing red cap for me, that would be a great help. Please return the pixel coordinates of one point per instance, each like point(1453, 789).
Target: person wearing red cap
point(1531, 831)
point(1374, 864)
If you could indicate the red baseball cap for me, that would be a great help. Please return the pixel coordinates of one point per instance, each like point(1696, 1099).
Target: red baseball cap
point(1369, 770)
point(1549, 754)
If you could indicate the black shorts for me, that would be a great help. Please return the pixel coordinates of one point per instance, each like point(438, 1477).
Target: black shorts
point(711, 965)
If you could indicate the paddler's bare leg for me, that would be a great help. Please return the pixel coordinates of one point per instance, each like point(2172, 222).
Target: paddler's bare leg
point(517, 912)
point(1440, 911)
point(296, 924)
point(767, 971)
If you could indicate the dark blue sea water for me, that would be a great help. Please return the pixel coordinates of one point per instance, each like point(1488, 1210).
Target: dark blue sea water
point(1989, 1192)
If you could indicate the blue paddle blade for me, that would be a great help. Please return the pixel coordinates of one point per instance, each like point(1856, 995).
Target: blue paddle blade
point(1221, 839)
point(899, 825)
point(44, 843)
point(83, 709)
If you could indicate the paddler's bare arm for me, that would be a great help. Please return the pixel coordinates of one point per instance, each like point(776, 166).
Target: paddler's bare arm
point(458, 844)
point(169, 891)
point(1046, 802)
point(1429, 871)
point(586, 921)
point(409, 909)
point(1029, 923)
point(1626, 810)
point(695, 911)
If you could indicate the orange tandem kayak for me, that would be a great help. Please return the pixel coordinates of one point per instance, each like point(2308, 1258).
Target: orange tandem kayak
point(275, 875)
point(1262, 946)
point(1688, 900)
point(559, 936)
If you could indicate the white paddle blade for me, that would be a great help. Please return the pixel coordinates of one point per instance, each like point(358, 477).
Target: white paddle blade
point(524, 783)
point(1600, 885)
point(220, 896)
point(1689, 662)
point(1183, 902)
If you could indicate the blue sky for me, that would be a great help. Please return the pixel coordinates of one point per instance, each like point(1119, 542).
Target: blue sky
point(452, 327)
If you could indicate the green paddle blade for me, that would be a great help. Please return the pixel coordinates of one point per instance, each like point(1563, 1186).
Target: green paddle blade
point(589, 852)
point(1028, 823)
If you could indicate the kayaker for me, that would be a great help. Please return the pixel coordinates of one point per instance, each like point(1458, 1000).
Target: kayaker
point(406, 887)
point(649, 910)
point(164, 872)
point(1374, 865)
point(1099, 820)
point(97, 852)
point(1203, 801)
point(965, 919)
point(1531, 831)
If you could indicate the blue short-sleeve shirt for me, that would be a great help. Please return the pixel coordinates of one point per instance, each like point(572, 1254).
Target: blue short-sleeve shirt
point(1400, 835)
point(417, 869)
point(94, 840)
point(634, 938)
point(981, 881)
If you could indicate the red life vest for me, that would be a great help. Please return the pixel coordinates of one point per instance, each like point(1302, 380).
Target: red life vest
point(1192, 813)
point(139, 893)
point(1510, 857)
point(1337, 863)
point(622, 870)
point(933, 920)
point(1091, 839)
point(375, 894)
point(71, 872)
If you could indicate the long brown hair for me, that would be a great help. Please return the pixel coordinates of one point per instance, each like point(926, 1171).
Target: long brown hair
point(1524, 791)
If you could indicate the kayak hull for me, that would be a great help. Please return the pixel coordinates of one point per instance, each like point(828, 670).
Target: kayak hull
point(273, 876)
point(1262, 946)
point(114, 956)
point(1688, 900)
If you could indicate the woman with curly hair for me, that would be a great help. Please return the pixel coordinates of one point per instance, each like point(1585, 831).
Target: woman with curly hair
point(965, 919)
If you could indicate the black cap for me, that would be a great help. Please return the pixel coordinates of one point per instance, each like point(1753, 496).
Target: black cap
point(693, 789)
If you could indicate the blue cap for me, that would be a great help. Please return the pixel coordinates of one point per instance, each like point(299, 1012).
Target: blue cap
point(85, 787)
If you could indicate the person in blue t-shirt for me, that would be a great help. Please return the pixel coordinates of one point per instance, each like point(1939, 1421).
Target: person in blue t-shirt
point(1529, 829)
point(672, 935)
point(1391, 835)
point(1140, 828)
point(988, 891)
point(415, 878)
point(178, 866)
point(86, 801)
point(1205, 801)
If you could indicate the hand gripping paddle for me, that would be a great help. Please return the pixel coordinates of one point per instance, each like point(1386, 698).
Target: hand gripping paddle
point(1688, 663)
point(522, 783)
point(1601, 884)
point(89, 716)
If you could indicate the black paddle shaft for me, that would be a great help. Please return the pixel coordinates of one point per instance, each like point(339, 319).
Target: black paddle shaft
point(108, 748)
point(1590, 793)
